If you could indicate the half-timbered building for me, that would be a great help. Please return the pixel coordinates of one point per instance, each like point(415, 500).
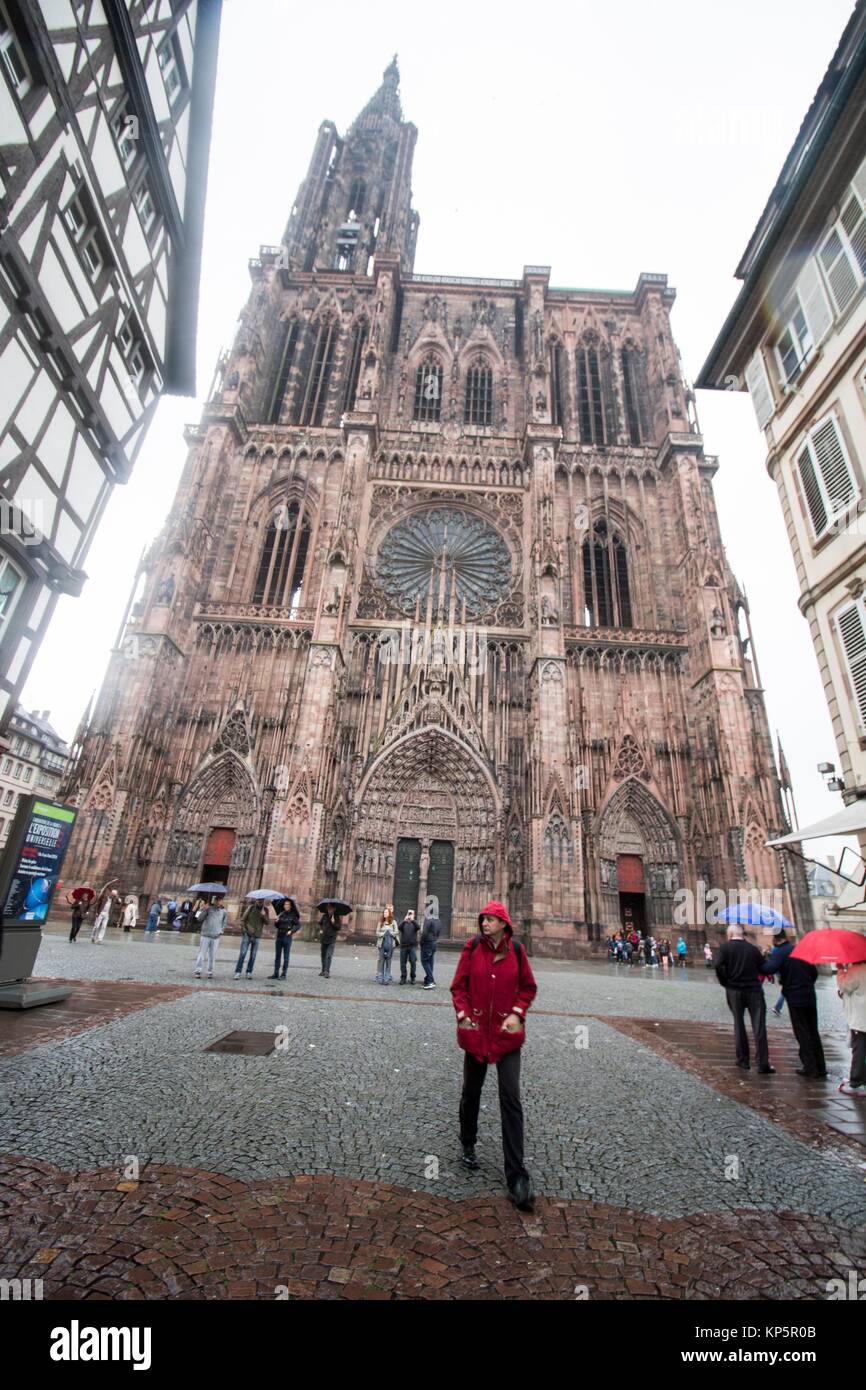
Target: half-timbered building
point(105, 115)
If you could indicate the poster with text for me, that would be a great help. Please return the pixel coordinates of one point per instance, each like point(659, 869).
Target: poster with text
point(40, 859)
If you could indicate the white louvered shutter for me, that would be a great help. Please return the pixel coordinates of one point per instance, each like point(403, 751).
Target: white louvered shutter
point(816, 305)
point(812, 491)
point(852, 629)
point(832, 460)
point(841, 276)
point(758, 385)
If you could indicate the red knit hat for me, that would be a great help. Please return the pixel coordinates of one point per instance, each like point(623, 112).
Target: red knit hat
point(499, 910)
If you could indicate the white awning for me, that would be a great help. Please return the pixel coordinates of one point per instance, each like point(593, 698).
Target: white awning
point(845, 822)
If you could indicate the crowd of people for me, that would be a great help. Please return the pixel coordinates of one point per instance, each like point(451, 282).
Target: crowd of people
point(632, 947)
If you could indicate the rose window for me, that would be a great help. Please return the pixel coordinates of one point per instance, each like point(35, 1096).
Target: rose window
point(444, 549)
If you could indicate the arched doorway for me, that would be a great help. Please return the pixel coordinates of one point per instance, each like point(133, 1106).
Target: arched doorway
point(428, 801)
point(637, 839)
point(218, 855)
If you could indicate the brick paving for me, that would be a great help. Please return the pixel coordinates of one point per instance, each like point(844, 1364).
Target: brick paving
point(246, 1191)
point(807, 1109)
point(181, 1233)
point(91, 1002)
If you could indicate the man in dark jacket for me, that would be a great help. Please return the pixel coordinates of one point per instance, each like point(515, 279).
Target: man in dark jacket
point(797, 978)
point(430, 931)
point(408, 942)
point(329, 928)
point(738, 967)
point(492, 990)
point(287, 926)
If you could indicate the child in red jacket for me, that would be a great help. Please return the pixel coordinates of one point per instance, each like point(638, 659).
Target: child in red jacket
point(492, 991)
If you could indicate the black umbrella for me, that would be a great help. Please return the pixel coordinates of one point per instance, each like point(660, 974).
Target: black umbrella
point(335, 905)
point(208, 888)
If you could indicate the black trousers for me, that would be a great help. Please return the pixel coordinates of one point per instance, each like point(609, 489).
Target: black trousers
point(804, 1021)
point(510, 1109)
point(76, 927)
point(739, 1000)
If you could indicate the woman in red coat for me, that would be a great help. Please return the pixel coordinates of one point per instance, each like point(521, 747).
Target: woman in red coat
point(492, 990)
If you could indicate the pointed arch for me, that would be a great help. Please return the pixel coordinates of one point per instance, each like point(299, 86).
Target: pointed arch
point(427, 405)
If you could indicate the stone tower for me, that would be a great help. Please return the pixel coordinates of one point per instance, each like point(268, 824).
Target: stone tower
point(442, 608)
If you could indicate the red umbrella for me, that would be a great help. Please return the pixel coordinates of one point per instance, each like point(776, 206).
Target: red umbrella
point(831, 945)
point(83, 892)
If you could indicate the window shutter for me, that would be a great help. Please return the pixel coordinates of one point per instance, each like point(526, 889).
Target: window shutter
point(816, 306)
point(812, 492)
point(841, 276)
point(852, 629)
point(859, 182)
point(833, 463)
point(758, 385)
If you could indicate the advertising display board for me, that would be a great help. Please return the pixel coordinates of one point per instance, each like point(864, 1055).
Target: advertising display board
point(39, 855)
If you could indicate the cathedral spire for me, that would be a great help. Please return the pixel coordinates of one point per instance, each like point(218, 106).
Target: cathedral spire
point(386, 101)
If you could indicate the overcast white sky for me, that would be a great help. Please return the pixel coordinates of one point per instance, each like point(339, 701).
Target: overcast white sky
point(601, 140)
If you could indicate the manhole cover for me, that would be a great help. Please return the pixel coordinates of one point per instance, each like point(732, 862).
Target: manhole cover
point(247, 1044)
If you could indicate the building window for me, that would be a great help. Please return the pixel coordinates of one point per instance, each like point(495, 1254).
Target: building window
point(12, 585)
point(80, 219)
point(172, 69)
point(353, 368)
point(795, 343)
point(607, 598)
point(851, 622)
point(428, 391)
point(17, 772)
point(557, 411)
point(843, 252)
point(28, 773)
point(7, 801)
point(347, 246)
point(319, 375)
point(357, 197)
point(826, 475)
point(7, 763)
point(479, 395)
point(124, 124)
point(135, 355)
point(143, 199)
point(631, 395)
point(283, 559)
point(12, 57)
point(589, 397)
point(287, 357)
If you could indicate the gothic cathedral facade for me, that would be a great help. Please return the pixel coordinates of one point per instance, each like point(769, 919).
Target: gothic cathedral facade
point(442, 608)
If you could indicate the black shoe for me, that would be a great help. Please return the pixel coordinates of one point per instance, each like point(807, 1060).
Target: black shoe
point(282, 977)
point(468, 1158)
point(276, 977)
point(521, 1195)
point(767, 1071)
point(745, 1066)
point(327, 975)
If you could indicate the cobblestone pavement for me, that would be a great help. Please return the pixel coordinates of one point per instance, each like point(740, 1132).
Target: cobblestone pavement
point(652, 1181)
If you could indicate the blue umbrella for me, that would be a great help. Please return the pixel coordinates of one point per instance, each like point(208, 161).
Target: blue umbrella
point(267, 895)
point(752, 914)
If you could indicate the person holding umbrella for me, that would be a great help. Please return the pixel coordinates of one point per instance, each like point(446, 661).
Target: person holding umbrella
point(253, 920)
point(213, 925)
point(847, 950)
point(287, 926)
point(797, 978)
point(739, 968)
point(330, 924)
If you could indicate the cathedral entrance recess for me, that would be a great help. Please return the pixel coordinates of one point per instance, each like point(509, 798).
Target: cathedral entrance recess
point(407, 878)
point(218, 855)
point(632, 891)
